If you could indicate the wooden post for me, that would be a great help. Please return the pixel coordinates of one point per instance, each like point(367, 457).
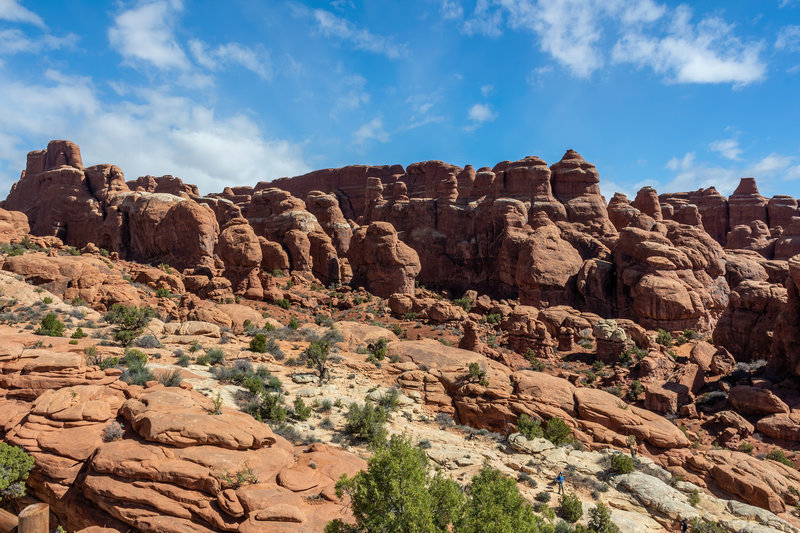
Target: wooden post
point(8, 522)
point(34, 518)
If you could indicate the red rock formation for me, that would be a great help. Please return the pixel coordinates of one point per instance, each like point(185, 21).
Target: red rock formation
point(240, 251)
point(746, 204)
point(575, 184)
point(382, 262)
point(164, 184)
point(13, 226)
point(780, 210)
point(647, 202)
point(346, 183)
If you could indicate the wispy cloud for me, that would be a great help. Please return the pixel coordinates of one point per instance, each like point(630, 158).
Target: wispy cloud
point(14, 41)
point(645, 34)
point(253, 59)
point(13, 11)
point(333, 26)
point(788, 39)
point(145, 33)
point(371, 131)
point(727, 148)
point(690, 173)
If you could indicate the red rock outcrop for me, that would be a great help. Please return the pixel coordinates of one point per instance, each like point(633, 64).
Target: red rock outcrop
point(382, 262)
point(13, 226)
point(575, 184)
point(746, 205)
point(164, 184)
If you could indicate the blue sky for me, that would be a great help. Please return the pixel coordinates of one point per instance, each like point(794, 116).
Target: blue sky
point(672, 95)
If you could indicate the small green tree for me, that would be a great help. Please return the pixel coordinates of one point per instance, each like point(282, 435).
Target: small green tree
point(530, 427)
point(557, 431)
point(494, 505)
point(51, 326)
point(15, 465)
point(301, 410)
point(664, 338)
point(398, 493)
point(570, 507)
point(130, 321)
point(367, 422)
point(316, 356)
point(600, 520)
point(258, 343)
point(621, 463)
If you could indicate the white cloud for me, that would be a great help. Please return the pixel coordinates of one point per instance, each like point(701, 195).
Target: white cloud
point(452, 10)
point(691, 174)
point(14, 41)
point(537, 76)
point(330, 25)
point(478, 114)
point(486, 90)
point(372, 130)
point(150, 133)
point(145, 33)
point(568, 30)
point(11, 10)
point(728, 148)
point(647, 34)
point(255, 60)
point(351, 92)
point(788, 39)
point(481, 113)
point(486, 20)
point(707, 52)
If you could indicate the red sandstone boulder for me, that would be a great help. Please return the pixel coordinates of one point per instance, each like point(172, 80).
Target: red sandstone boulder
point(382, 262)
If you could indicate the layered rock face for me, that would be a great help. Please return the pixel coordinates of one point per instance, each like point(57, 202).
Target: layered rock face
point(174, 469)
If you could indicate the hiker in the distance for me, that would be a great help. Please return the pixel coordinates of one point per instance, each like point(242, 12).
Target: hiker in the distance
point(560, 481)
point(685, 526)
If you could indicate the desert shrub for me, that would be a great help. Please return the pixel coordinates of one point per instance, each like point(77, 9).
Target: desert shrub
point(78, 301)
point(543, 496)
point(215, 356)
point(269, 407)
point(293, 324)
point(390, 400)
point(15, 465)
point(557, 431)
point(130, 321)
point(410, 316)
point(301, 410)
point(694, 498)
point(323, 320)
point(183, 360)
point(465, 303)
point(113, 431)
point(367, 422)
point(51, 326)
point(47, 300)
point(701, 525)
point(242, 477)
point(283, 303)
point(78, 334)
point(780, 456)
point(162, 292)
point(746, 447)
point(148, 341)
point(171, 378)
point(664, 338)
point(530, 427)
point(636, 389)
point(493, 318)
point(570, 507)
point(258, 343)
point(377, 350)
point(476, 373)
point(621, 463)
point(690, 334)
